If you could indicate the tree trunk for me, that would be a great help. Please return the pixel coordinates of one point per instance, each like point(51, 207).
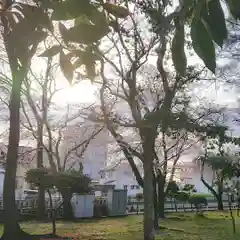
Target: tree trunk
point(148, 202)
point(67, 206)
point(148, 191)
point(217, 195)
point(220, 193)
point(41, 189)
point(41, 203)
point(11, 227)
point(155, 200)
point(52, 212)
point(220, 202)
point(161, 196)
point(175, 204)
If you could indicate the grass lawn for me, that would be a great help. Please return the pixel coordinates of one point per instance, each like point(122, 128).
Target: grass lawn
point(187, 226)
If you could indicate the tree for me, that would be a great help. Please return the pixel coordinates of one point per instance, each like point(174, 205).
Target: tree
point(199, 201)
point(207, 23)
point(172, 191)
point(190, 188)
point(182, 197)
point(66, 182)
point(19, 53)
point(157, 13)
point(220, 162)
point(59, 161)
point(22, 32)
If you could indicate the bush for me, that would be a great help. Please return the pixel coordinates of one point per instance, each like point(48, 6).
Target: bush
point(199, 201)
point(100, 210)
point(139, 197)
point(182, 196)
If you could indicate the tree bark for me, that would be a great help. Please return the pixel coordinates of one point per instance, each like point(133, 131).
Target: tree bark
point(148, 202)
point(11, 227)
point(161, 195)
point(41, 189)
point(217, 195)
point(220, 202)
point(148, 191)
point(155, 200)
point(52, 212)
point(67, 206)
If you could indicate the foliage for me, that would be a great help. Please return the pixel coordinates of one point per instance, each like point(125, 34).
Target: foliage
point(198, 201)
point(100, 210)
point(139, 197)
point(203, 195)
point(73, 181)
point(172, 189)
point(206, 20)
point(182, 196)
point(78, 48)
point(190, 188)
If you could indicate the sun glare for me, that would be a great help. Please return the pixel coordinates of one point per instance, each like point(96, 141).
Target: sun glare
point(80, 93)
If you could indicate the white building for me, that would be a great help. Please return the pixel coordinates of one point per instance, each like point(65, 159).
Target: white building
point(122, 176)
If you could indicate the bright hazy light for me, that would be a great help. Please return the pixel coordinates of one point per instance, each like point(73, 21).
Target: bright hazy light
point(80, 93)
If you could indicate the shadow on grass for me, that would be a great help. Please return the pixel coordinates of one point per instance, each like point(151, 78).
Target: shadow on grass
point(25, 236)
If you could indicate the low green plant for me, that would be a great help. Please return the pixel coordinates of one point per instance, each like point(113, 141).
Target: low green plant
point(199, 201)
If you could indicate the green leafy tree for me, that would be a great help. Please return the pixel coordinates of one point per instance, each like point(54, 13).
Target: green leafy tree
point(207, 23)
point(172, 191)
point(219, 161)
point(199, 201)
point(66, 183)
point(182, 197)
point(21, 38)
point(190, 188)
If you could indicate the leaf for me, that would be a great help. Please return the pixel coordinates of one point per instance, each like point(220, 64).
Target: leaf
point(178, 53)
point(51, 51)
point(71, 9)
point(234, 7)
point(80, 20)
point(116, 10)
point(86, 33)
point(36, 37)
point(63, 31)
point(98, 17)
point(36, 14)
point(203, 44)
point(66, 66)
point(87, 58)
point(214, 17)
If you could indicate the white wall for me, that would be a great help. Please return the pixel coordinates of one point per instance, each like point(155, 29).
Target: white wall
point(192, 175)
point(123, 176)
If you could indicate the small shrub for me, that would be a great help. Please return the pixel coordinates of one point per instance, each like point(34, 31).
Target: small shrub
point(100, 210)
point(139, 197)
point(182, 196)
point(199, 201)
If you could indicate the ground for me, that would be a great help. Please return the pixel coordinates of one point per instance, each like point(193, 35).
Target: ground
point(214, 226)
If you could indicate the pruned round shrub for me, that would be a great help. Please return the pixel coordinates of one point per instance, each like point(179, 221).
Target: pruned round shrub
point(139, 197)
point(182, 196)
point(100, 210)
point(199, 201)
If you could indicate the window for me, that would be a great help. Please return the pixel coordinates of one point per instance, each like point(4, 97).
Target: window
point(137, 187)
point(132, 186)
